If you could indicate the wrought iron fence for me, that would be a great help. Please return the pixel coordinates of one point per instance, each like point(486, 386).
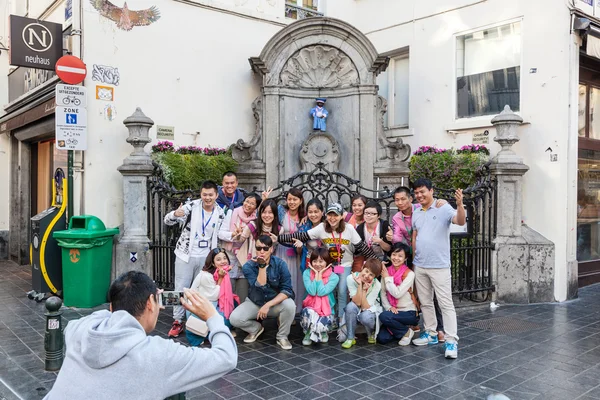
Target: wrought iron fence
point(471, 250)
point(294, 11)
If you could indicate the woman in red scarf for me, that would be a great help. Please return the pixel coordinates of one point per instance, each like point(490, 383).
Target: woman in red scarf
point(399, 304)
point(317, 308)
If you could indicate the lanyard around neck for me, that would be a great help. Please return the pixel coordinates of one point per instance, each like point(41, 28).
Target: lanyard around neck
point(370, 241)
point(204, 225)
point(338, 246)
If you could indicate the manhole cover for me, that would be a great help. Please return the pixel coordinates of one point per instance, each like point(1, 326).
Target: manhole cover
point(504, 325)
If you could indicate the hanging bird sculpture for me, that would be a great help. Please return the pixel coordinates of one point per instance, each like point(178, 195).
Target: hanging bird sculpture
point(125, 18)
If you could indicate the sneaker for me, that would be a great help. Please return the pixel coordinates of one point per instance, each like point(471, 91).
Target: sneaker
point(285, 344)
point(251, 338)
point(324, 337)
point(307, 341)
point(416, 328)
point(233, 334)
point(348, 343)
point(425, 339)
point(371, 339)
point(451, 349)
point(441, 337)
point(176, 329)
point(405, 341)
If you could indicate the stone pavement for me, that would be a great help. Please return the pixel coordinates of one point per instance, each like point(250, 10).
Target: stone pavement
point(548, 351)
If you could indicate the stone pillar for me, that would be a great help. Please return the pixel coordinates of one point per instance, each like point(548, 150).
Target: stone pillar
point(132, 251)
point(272, 140)
point(524, 258)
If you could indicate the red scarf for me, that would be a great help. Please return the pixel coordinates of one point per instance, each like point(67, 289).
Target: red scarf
point(397, 274)
point(226, 296)
point(319, 303)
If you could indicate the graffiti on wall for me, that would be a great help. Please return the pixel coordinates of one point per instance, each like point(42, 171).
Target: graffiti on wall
point(125, 18)
point(106, 74)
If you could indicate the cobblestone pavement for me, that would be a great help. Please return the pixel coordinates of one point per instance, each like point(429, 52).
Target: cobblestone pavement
point(548, 351)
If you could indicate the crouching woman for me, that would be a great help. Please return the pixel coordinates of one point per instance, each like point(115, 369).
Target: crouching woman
point(317, 308)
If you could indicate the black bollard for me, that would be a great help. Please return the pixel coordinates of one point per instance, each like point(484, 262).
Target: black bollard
point(53, 338)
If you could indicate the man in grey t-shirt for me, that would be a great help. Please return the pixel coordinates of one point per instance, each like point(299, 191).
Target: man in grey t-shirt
point(431, 247)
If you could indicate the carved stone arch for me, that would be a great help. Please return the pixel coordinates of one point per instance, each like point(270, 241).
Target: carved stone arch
point(319, 67)
point(327, 32)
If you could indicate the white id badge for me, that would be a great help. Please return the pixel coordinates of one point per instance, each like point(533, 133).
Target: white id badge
point(203, 244)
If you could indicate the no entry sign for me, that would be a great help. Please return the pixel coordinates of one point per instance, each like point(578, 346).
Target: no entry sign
point(71, 70)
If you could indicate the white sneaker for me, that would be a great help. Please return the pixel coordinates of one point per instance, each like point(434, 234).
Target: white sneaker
point(405, 341)
point(251, 338)
point(284, 344)
point(426, 338)
point(451, 349)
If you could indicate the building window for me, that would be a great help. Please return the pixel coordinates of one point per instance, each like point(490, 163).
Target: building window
point(300, 9)
point(488, 69)
point(393, 85)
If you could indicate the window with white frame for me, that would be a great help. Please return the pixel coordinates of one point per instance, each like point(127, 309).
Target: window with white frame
point(300, 9)
point(393, 85)
point(488, 70)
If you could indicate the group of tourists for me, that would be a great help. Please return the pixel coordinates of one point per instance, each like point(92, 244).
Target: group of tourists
point(329, 269)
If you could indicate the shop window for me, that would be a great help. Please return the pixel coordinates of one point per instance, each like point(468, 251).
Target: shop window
point(394, 86)
point(488, 71)
point(588, 205)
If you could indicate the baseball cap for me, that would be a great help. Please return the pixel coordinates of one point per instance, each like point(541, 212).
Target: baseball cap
point(335, 208)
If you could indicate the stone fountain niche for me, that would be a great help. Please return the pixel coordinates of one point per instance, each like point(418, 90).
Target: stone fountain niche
point(320, 57)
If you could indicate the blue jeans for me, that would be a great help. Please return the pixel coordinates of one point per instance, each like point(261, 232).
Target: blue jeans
point(342, 294)
point(353, 315)
point(395, 326)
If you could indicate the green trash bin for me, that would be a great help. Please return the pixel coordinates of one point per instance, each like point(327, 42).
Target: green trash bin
point(86, 261)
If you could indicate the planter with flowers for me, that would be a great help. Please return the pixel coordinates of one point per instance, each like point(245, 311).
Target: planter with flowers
point(448, 168)
point(186, 167)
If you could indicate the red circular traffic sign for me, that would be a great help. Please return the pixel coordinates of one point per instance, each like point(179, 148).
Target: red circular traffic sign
point(71, 69)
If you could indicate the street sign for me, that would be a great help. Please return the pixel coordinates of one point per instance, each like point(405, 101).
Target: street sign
point(34, 43)
point(69, 95)
point(71, 69)
point(71, 127)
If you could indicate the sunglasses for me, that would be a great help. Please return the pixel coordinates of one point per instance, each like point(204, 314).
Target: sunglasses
point(217, 250)
point(261, 248)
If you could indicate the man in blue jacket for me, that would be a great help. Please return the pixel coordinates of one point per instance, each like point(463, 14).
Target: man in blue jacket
point(110, 355)
point(270, 294)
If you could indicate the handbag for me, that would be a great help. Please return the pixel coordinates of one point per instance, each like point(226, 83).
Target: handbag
point(197, 326)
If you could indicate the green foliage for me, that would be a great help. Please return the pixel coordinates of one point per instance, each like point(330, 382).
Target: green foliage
point(447, 169)
point(188, 171)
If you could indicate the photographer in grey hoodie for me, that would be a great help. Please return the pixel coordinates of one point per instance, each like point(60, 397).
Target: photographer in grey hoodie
point(110, 355)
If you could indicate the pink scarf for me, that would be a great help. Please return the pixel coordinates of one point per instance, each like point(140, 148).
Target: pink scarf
point(226, 296)
point(397, 281)
point(319, 303)
point(238, 214)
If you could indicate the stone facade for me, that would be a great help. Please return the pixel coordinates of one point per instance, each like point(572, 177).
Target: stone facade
point(319, 57)
point(132, 251)
point(524, 258)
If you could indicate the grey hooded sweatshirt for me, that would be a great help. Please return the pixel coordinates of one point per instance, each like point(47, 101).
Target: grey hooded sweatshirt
point(109, 356)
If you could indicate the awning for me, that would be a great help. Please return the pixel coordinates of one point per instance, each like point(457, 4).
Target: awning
point(26, 115)
point(590, 30)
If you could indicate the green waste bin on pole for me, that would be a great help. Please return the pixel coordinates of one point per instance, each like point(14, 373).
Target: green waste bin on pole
point(86, 261)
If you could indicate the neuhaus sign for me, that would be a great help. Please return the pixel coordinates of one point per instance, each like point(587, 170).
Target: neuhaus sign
point(34, 43)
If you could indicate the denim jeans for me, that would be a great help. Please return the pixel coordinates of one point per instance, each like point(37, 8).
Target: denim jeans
point(394, 326)
point(185, 272)
point(342, 294)
point(353, 315)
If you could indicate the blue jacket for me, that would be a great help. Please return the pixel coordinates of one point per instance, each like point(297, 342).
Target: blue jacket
point(279, 280)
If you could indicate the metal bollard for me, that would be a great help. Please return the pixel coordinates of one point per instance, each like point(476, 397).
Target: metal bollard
point(53, 338)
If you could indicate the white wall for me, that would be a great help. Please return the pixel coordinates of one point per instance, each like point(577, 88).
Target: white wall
point(5, 10)
point(544, 94)
point(189, 70)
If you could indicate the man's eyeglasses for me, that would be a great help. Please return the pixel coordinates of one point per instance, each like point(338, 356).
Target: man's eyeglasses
point(262, 248)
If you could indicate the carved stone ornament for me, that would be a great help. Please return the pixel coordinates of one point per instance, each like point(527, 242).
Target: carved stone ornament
point(394, 150)
point(243, 151)
point(319, 67)
point(320, 148)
